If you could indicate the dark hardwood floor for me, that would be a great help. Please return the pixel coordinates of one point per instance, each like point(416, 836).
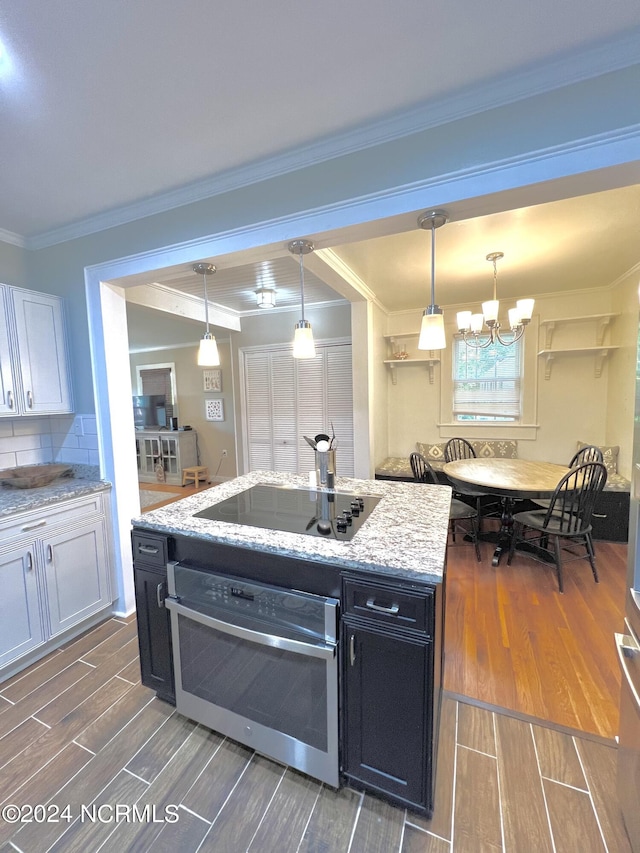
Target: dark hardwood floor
point(514, 642)
point(526, 669)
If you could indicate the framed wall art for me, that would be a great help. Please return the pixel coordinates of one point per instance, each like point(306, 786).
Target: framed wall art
point(212, 379)
point(214, 410)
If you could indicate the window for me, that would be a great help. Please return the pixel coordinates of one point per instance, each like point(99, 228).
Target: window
point(158, 379)
point(487, 382)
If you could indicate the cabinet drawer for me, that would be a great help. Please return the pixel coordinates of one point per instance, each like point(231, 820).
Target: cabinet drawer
point(389, 604)
point(149, 549)
point(54, 515)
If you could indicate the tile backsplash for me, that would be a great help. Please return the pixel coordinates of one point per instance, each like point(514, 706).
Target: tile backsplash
point(56, 438)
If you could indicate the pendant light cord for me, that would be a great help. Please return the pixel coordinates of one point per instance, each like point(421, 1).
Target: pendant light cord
point(206, 303)
point(302, 285)
point(433, 265)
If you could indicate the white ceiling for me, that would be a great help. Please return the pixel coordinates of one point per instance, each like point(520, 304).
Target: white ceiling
point(113, 110)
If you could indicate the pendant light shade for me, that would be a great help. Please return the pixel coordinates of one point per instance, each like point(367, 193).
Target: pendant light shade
point(303, 344)
point(432, 328)
point(208, 355)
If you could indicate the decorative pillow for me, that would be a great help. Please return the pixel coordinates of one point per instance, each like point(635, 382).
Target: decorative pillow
point(610, 454)
point(502, 449)
point(431, 452)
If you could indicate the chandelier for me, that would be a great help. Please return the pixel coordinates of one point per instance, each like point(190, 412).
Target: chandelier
point(470, 326)
point(432, 327)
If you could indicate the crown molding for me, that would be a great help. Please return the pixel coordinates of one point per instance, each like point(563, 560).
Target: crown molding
point(12, 239)
point(595, 61)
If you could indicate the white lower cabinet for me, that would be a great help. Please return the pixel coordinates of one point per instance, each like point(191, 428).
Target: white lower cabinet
point(54, 574)
point(21, 627)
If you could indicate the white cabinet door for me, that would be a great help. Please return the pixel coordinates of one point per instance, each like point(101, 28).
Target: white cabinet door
point(76, 575)
point(8, 400)
point(21, 626)
point(42, 353)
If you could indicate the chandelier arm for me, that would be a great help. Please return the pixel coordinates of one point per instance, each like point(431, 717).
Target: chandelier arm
point(517, 334)
point(474, 344)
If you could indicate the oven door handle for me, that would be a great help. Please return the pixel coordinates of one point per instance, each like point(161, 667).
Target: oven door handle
point(296, 646)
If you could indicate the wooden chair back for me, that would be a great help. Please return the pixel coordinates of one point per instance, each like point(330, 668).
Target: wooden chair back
point(458, 448)
point(574, 499)
point(422, 470)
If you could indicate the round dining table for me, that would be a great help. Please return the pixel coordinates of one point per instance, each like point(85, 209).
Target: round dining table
point(510, 480)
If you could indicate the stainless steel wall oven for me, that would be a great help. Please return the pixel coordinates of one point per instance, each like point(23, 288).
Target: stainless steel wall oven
point(259, 664)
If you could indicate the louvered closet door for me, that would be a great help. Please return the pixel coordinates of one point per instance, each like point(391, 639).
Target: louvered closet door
point(286, 399)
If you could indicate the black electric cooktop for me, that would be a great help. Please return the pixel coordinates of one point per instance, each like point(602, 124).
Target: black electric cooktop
point(331, 515)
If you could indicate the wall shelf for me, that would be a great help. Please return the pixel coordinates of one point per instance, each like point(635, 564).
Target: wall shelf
point(600, 353)
point(429, 359)
point(602, 322)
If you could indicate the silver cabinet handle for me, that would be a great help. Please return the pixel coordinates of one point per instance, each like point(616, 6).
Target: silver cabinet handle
point(393, 610)
point(352, 649)
point(49, 554)
point(10, 399)
point(30, 399)
point(148, 549)
point(29, 561)
point(34, 526)
point(159, 597)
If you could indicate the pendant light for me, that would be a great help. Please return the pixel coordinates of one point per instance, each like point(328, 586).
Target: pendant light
point(208, 355)
point(432, 328)
point(303, 345)
point(266, 297)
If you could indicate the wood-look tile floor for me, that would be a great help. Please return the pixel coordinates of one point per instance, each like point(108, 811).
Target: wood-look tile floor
point(77, 729)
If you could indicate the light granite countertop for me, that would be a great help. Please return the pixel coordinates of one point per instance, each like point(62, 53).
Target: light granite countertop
point(85, 481)
point(405, 535)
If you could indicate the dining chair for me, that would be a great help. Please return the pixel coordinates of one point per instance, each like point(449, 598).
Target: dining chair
point(460, 448)
point(567, 518)
point(458, 511)
point(588, 453)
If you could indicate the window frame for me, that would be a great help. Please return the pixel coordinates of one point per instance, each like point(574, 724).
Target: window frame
point(516, 399)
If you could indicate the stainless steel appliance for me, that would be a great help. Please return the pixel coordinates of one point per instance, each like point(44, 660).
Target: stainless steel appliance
point(628, 644)
point(259, 664)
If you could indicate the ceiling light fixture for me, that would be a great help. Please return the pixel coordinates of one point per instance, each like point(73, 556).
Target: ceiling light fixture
point(303, 345)
point(266, 297)
point(470, 325)
point(208, 355)
point(432, 328)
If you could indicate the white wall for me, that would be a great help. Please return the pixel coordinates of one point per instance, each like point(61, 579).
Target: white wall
point(572, 405)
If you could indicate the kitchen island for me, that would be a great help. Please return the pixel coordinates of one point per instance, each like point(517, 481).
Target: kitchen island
point(379, 676)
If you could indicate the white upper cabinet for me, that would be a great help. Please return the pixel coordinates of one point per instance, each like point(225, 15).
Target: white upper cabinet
point(34, 367)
